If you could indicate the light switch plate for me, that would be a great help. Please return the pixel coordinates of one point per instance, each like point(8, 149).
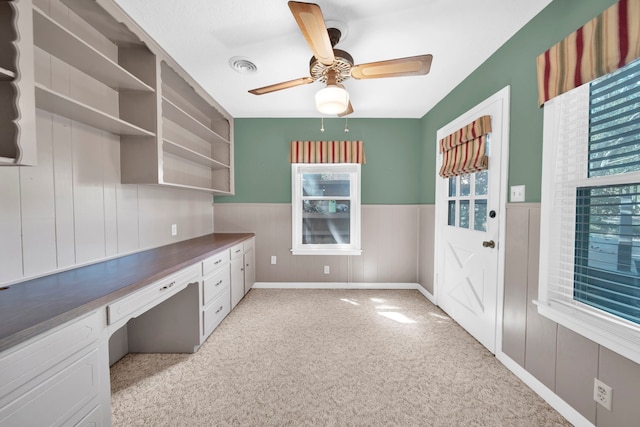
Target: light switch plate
point(517, 193)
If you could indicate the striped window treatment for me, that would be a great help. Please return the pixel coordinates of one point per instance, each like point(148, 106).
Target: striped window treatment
point(604, 44)
point(464, 151)
point(327, 152)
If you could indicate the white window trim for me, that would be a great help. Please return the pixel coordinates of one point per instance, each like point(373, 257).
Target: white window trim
point(353, 248)
point(612, 332)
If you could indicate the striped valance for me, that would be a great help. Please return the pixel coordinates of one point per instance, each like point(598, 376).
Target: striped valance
point(604, 44)
point(464, 151)
point(327, 152)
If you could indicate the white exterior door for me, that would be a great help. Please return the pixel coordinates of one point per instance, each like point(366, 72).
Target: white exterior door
point(469, 226)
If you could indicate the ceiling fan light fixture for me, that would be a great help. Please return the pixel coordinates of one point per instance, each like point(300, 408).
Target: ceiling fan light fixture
point(332, 100)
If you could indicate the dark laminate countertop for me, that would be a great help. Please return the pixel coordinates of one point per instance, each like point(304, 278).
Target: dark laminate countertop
point(35, 306)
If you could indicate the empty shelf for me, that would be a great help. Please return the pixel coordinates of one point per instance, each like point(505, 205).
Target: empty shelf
point(63, 44)
point(6, 75)
point(62, 105)
point(185, 153)
point(183, 119)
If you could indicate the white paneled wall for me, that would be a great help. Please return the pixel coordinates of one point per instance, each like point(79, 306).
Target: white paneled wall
point(391, 238)
point(71, 209)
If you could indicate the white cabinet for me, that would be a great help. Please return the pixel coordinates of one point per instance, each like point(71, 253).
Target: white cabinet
point(242, 270)
point(216, 292)
point(59, 378)
point(249, 264)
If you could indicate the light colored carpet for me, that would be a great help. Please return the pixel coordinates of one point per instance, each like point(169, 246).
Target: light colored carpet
point(328, 357)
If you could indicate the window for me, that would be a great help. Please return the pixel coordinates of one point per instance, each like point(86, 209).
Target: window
point(325, 209)
point(590, 230)
point(467, 199)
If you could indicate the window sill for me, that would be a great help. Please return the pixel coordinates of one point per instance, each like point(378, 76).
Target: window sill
point(326, 251)
point(621, 338)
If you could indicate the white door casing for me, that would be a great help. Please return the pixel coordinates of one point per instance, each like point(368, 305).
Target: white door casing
point(468, 276)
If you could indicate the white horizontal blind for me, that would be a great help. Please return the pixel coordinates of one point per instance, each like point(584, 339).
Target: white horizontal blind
point(614, 145)
point(570, 114)
point(591, 159)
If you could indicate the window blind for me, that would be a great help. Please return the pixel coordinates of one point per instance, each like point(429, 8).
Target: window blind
point(614, 122)
point(590, 223)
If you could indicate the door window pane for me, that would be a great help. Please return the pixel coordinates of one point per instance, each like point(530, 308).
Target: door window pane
point(480, 215)
point(464, 213)
point(452, 186)
point(452, 212)
point(482, 183)
point(465, 185)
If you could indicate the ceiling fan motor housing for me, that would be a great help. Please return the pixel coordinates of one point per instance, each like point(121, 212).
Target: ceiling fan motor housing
point(342, 67)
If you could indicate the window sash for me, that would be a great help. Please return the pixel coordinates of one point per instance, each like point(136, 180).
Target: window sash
point(565, 170)
point(300, 245)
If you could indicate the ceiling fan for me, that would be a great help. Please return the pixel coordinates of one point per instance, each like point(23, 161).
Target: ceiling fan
point(333, 66)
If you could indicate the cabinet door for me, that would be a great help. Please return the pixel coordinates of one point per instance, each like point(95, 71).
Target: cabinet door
point(237, 280)
point(249, 270)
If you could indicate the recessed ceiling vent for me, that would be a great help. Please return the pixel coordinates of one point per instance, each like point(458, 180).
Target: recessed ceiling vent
point(242, 65)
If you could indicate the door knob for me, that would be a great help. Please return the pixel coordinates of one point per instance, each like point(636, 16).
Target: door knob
point(489, 244)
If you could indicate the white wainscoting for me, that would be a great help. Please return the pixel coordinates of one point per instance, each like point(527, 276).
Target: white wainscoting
point(392, 238)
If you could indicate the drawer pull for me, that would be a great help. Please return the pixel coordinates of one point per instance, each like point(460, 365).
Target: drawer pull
point(164, 288)
point(220, 309)
point(219, 283)
point(217, 262)
point(238, 251)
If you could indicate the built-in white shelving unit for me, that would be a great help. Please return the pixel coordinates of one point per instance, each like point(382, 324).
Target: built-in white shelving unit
point(17, 112)
point(172, 133)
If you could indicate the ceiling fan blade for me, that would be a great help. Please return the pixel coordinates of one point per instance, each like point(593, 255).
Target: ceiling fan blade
point(311, 22)
point(410, 66)
point(280, 86)
point(348, 111)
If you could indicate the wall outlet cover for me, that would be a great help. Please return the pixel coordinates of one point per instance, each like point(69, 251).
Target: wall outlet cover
point(327, 270)
point(174, 229)
point(274, 260)
point(602, 393)
point(517, 193)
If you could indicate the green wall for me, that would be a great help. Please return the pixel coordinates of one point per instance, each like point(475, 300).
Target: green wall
point(400, 153)
point(263, 172)
point(513, 64)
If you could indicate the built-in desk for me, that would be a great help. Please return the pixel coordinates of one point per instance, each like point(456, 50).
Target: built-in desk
point(54, 330)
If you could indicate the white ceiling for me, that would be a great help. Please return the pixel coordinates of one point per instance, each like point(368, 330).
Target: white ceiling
point(202, 35)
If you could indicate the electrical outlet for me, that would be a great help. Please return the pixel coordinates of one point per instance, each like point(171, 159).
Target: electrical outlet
point(174, 229)
point(273, 260)
point(602, 393)
point(327, 270)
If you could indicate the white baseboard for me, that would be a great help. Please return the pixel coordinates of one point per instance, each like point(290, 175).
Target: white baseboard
point(567, 411)
point(335, 285)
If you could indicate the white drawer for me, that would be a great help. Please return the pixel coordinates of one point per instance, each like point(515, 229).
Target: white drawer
point(44, 351)
point(211, 264)
point(59, 398)
point(215, 284)
point(214, 313)
point(152, 295)
point(237, 250)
